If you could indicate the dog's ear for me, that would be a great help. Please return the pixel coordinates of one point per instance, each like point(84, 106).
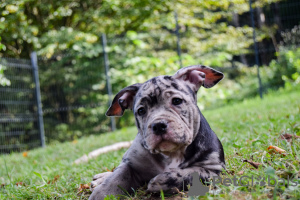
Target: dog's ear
point(198, 75)
point(123, 100)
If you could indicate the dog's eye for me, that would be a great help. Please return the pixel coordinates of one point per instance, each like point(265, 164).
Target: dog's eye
point(176, 101)
point(141, 111)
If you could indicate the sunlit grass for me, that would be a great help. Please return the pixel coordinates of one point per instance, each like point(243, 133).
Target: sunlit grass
point(245, 129)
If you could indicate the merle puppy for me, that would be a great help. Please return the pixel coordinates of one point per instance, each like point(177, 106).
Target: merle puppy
point(174, 139)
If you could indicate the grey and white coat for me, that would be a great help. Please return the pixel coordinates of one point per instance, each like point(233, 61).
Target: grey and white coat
point(174, 139)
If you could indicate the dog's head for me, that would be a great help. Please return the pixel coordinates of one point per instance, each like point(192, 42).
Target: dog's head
point(165, 107)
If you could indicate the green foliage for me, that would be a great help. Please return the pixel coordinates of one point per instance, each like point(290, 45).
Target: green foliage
point(34, 25)
point(1, 45)
point(231, 90)
point(286, 70)
point(60, 25)
point(70, 82)
point(291, 38)
point(3, 80)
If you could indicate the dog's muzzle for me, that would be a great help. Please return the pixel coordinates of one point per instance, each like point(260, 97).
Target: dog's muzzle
point(161, 136)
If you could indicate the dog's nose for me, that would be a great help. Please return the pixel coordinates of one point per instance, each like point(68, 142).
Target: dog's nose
point(159, 128)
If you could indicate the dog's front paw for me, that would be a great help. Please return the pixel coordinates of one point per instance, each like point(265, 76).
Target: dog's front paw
point(168, 181)
point(98, 179)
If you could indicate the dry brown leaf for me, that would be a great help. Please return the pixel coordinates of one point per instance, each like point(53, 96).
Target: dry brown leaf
point(83, 187)
point(19, 183)
point(110, 170)
point(254, 164)
point(25, 154)
point(288, 137)
point(275, 149)
point(240, 173)
point(54, 179)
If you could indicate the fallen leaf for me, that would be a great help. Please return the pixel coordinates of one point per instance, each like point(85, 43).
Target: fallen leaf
point(288, 137)
point(83, 187)
point(54, 179)
point(111, 170)
point(240, 173)
point(19, 183)
point(25, 154)
point(254, 164)
point(274, 149)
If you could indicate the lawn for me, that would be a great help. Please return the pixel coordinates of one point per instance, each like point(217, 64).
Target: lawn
point(246, 130)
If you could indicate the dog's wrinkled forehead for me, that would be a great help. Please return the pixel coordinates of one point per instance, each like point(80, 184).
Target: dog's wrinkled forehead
point(186, 81)
point(152, 89)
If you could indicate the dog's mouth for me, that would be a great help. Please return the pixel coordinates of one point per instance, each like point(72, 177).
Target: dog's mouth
point(174, 138)
point(167, 146)
point(159, 144)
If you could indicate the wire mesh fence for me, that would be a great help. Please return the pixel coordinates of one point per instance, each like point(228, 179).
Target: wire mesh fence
point(74, 87)
point(74, 96)
point(19, 128)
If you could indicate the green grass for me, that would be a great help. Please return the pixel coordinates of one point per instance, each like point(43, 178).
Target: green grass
point(246, 130)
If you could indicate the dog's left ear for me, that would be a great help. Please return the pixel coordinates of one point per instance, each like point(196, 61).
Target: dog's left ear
point(123, 100)
point(199, 75)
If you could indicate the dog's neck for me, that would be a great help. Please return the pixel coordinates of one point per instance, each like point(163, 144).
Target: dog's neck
point(174, 159)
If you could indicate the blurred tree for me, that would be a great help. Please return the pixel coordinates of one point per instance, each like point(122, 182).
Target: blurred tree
point(28, 25)
point(66, 36)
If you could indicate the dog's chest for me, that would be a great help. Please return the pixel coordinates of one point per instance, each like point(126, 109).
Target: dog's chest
point(173, 162)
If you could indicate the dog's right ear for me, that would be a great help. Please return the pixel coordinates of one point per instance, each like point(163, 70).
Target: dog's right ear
point(123, 100)
point(199, 75)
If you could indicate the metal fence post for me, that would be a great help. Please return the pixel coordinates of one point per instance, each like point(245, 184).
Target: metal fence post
point(109, 90)
point(178, 39)
point(256, 51)
point(34, 64)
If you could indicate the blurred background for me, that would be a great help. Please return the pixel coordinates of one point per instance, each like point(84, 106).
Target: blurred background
point(87, 49)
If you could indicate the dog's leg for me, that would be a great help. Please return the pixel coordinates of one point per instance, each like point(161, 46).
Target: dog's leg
point(123, 178)
point(179, 178)
point(98, 179)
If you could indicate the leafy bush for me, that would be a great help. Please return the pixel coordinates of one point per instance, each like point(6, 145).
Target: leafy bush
point(239, 83)
point(285, 69)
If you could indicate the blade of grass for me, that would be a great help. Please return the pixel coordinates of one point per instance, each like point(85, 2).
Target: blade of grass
point(7, 170)
point(162, 195)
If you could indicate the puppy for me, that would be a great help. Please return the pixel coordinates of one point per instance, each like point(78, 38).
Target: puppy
point(174, 139)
